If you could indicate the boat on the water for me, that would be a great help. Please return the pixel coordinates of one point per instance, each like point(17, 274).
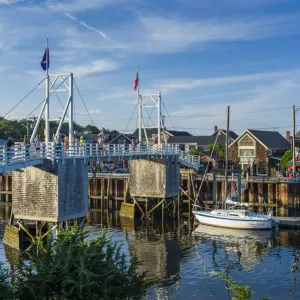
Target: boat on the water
point(233, 217)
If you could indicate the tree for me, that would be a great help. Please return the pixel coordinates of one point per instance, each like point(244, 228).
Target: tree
point(91, 129)
point(287, 156)
point(74, 268)
point(196, 151)
point(219, 150)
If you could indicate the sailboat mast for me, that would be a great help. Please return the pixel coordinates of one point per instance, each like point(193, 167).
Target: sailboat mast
point(226, 154)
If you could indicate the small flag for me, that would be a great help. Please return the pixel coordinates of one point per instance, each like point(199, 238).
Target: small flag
point(136, 82)
point(46, 57)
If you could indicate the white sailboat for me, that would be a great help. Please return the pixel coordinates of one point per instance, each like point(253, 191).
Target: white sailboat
point(233, 218)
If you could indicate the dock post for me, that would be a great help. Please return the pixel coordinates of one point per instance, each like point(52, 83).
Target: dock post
point(178, 205)
point(239, 186)
point(214, 188)
point(102, 199)
point(261, 197)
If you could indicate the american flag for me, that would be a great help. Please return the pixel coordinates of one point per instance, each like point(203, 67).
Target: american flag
point(136, 82)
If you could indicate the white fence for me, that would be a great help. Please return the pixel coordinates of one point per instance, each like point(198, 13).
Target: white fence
point(20, 156)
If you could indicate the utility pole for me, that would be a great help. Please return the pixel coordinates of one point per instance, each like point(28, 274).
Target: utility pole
point(226, 154)
point(47, 108)
point(27, 127)
point(159, 120)
point(294, 133)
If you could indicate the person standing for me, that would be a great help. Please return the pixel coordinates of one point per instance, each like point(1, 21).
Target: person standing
point(66, 143)
point(81, 144)
point(9, 143)
point(26, 143)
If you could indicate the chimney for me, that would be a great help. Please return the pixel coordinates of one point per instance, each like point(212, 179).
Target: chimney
point(288, 136)
point(215, 128)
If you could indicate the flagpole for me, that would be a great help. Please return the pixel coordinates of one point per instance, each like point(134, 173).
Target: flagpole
point(139, 106)
point(47, 111)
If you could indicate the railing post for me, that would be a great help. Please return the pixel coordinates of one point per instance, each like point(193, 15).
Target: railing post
point(5, 155)
point(62, 153)
point(84, 152)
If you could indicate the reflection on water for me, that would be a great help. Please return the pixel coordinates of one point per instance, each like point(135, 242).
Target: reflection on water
point(180, 255)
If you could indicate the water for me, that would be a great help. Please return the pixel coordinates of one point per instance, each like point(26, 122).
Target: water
point(179, 256)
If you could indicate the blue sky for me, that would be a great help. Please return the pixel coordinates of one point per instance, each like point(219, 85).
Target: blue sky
point(201, 54)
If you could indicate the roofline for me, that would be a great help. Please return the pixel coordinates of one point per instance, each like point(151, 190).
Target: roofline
point(119, 135)
point(249, 132)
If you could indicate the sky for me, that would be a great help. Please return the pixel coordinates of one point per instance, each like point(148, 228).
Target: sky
point(202, 55)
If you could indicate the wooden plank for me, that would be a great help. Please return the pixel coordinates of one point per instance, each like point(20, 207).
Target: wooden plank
point(127, 210)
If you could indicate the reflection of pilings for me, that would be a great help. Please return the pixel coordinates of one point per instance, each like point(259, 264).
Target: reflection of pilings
point(5, 188)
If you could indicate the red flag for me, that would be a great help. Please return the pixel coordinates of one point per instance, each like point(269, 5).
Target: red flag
point(136, 82)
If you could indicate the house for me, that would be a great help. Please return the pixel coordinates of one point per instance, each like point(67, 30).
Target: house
point(123, 139)
point(185, 143)
point(152, 134)
point(232, 135)
point(258, 151)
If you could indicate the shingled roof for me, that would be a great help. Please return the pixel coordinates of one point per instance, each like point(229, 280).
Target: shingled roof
point(153, 131)
point(199, 140)
point(271, 139)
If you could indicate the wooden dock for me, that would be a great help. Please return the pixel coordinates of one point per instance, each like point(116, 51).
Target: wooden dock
point(288, 222)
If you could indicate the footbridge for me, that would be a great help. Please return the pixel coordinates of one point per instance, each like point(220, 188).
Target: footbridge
point(22, 156)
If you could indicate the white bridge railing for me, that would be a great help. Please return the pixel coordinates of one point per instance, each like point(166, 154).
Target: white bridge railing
point(18, 156)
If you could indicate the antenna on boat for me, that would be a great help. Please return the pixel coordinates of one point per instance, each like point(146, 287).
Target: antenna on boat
point(226, 155)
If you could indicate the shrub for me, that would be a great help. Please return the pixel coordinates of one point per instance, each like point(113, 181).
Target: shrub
point(73, 268)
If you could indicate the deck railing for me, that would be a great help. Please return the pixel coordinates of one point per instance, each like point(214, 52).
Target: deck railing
point(24, 153)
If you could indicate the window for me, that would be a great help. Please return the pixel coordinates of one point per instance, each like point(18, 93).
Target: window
point(247, 147)
point(247, 152)
point(246, 141)
point(262, 169)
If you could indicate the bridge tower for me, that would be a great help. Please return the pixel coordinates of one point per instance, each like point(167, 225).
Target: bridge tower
point(58, 83)
point(150, 101)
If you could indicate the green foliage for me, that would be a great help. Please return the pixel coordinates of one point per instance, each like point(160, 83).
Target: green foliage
point(91, 129)
point(239, 292)
point(74, 268)
point(196, 151)
point(288, 155)
point(17, 129)
point(219, 150)
point(6, 289)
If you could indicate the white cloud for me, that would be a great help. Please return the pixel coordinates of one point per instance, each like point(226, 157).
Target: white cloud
point(77, 5)
point(9, 2)
point(92, 112)
point(96, 66)
point(188, 83)
point(269, 106)
point(174, 34)
point(102, 34)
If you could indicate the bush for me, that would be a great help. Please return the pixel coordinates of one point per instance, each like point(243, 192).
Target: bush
point(73, 268)
point(288, 156)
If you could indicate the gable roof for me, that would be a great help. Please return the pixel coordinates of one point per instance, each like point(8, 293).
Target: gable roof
point(232, 134)
point(178, 133)
point(199, 140)
point(129, 137)
point(270, 139)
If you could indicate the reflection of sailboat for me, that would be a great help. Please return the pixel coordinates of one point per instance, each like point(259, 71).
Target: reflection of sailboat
point(227, 234)
point(249, 245)
point(233, 218)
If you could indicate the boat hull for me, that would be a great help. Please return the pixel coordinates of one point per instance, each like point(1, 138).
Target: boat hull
point(228, 222)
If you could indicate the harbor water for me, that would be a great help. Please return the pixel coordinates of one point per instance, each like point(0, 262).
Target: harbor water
point(180, 255)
